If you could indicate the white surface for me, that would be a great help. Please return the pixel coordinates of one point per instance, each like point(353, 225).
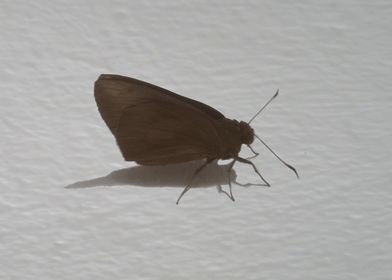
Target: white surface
point(330, 59)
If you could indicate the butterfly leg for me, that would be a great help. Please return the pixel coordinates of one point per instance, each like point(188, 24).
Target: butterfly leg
point(193, 176)
point(247, 184)
point(229, 176)
point(254, 167)
point(219, 187)
point(221, 190)
point(255, 154)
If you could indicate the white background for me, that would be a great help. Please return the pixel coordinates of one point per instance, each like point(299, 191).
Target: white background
point(332, 62)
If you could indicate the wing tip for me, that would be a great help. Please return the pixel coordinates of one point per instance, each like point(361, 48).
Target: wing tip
point(105, 77)
point(102, 77)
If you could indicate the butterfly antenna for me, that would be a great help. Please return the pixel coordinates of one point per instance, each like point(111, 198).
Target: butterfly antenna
point(269, 101)
point(281, 160)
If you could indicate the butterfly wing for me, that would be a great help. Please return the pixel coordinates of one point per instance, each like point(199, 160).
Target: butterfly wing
point(153, 126)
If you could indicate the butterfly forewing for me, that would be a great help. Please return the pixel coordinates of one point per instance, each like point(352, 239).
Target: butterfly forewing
point(153, 126)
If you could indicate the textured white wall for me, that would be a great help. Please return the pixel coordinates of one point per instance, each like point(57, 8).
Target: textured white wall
point(332, 62)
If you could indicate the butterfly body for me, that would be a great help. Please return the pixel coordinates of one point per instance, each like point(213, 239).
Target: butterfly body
point(154, 126)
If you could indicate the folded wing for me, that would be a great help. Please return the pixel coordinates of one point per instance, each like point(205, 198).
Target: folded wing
point(152, 126)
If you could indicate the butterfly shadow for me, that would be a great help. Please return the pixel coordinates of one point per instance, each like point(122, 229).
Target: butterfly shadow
point(175, 175)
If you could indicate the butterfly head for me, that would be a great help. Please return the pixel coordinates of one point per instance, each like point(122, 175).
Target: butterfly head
point(247, 134)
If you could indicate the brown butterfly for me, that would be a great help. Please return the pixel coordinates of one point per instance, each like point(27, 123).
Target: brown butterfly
point(154, 126)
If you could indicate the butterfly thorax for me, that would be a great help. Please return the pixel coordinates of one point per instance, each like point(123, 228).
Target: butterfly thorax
point(232, 135)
